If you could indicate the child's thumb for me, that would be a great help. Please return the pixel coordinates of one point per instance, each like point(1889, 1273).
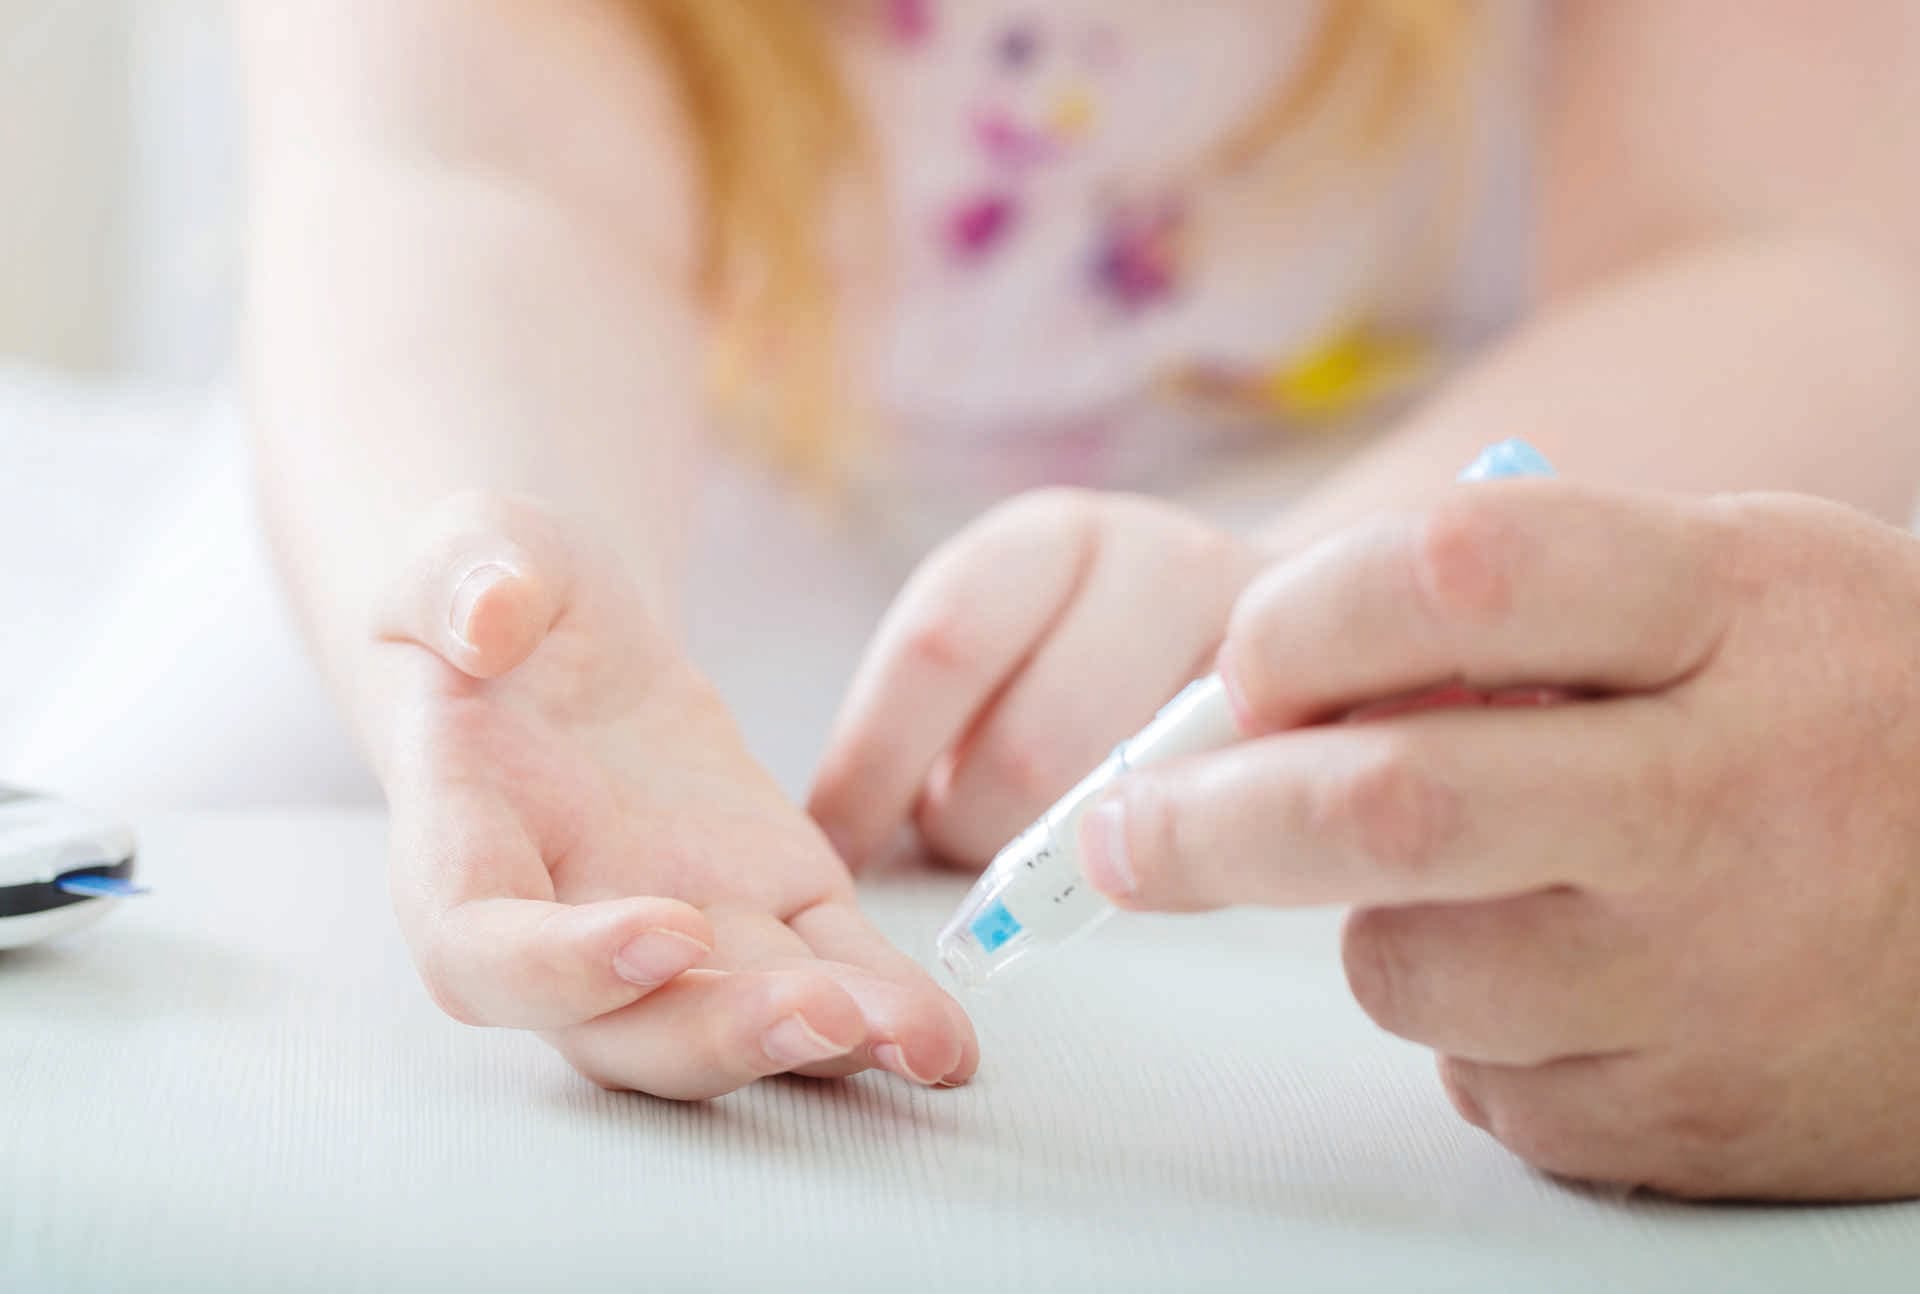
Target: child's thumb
point(485, 585)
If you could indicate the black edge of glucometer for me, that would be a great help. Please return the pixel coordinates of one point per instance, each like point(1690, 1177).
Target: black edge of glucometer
point(44, 896)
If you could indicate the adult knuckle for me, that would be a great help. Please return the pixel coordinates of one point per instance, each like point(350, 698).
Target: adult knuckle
point(1461, 554)
point(1462, 1086)
point(1704, 1112)
point(1373, 953)
point(1543, 1135)
point(1389, 810)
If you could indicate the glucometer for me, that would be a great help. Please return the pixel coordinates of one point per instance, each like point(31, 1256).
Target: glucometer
point(61, 866)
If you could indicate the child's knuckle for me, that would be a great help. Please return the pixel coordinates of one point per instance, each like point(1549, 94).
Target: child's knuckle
point(942, 640)
point(1031, 771)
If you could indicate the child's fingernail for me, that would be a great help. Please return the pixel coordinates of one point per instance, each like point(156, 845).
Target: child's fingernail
point(793, 1042)
point(891, 1058)
point(1103, 849)
point(467, 594)
point(657, 956)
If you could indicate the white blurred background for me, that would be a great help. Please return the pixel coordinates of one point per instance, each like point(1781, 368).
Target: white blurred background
point(119, 224)
point(139, 628)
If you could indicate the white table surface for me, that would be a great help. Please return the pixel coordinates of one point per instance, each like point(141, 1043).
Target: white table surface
point(237, 1084)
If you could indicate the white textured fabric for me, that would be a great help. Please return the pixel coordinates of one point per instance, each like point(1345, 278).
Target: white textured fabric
point(237, 1084)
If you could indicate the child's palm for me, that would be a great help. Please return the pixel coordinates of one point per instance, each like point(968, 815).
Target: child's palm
point(550, 813)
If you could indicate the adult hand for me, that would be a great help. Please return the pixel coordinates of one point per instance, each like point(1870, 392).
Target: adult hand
point(1665, 932)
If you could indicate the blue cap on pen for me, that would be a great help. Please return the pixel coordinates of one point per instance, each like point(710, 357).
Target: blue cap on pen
point(1506, 459)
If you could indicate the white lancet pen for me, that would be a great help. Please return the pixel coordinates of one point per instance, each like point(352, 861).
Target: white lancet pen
point(1033, 895)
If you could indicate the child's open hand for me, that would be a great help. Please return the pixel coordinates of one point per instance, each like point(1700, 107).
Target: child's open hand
point(1668, 934)
point(1017, 655)
point(582, 845)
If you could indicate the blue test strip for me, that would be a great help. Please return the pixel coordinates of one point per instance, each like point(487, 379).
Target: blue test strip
point(99, 887)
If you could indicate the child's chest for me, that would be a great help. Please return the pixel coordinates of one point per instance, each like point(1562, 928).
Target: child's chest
point(1061, 235)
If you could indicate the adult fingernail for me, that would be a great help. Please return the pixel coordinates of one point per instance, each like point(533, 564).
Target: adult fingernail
point(1103, 849)
point(890, 1057)
point(792, 1042)
point(657, 956)
point(467, 594)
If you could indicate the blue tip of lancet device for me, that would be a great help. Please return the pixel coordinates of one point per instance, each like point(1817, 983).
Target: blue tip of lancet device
point(994, 927)
point(99, 887)
point(1509, 458)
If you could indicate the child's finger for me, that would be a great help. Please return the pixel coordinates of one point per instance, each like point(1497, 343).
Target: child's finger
point(529, 964)
point(903, 1006)
point(476, 902)
point(1524, 583)
point(1146, 622)
point(959, 630)
point(1444, 806)
point(710, 1032)
point(486, 582)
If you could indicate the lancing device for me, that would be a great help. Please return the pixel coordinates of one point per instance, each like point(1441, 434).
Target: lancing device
point(1033, 895)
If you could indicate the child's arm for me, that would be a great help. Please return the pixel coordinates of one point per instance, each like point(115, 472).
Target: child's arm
point(474, 358)
point(1730, 266)
point(471, 238)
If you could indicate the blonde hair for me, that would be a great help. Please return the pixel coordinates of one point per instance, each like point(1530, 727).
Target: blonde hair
point(776, 131)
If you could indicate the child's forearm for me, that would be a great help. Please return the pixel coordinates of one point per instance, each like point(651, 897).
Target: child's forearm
point(418, 333)
point(470, 270)
point(1785, 362)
